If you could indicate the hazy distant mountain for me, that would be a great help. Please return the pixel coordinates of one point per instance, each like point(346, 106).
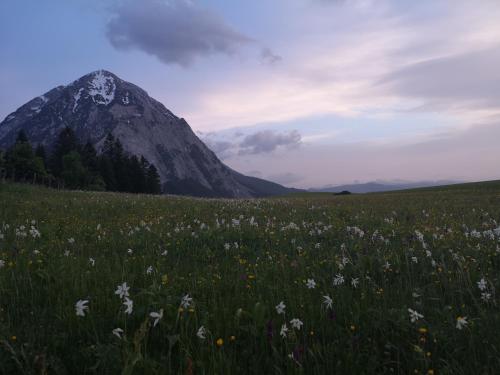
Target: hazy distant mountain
point(100, 103)
point(372, 187)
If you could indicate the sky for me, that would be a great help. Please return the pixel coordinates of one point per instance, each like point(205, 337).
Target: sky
point(306, 93)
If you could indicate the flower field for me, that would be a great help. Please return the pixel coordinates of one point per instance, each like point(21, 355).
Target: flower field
point(400, 282)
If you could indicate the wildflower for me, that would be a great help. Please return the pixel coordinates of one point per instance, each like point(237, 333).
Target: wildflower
point(164, 253)
point(284, 330)
point(328, 302)
point(130, 251)
point(414, 316)
point(387, 266)
point(414, 259)
point(485, 296)
point(2, 263)
point(186, 301)
point(481, 284)
point(118, 332)
point(219, 342)
point(201, 333)
point(149, 271)
point(296, 323)
point(355, 282)
point(338, 280)
point(122, 290)
point(461, 322)
point(92, 262)
point(80, 307)
point(280, 308)
point(156, 316)
point(311, 284)
point(66, 253)
point(71, 240)
point(130, 305)
point(164, 279)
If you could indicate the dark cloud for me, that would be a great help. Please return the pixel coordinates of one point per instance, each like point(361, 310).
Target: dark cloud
point(269, 57)
point(176, 32)
point(472, 78)
point(267, 141)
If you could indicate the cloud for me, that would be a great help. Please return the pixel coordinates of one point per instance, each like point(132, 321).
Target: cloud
point(269, 57)
point(471, 79)
point(176, 32)
point(285, 178)
point(267, 141)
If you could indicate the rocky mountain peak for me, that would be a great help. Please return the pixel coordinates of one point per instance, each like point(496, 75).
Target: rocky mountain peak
point(100, 102)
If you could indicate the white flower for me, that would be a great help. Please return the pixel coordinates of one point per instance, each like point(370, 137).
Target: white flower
point(414, 316)
point(280, 308)
point(122, 290)
point(149, 271)
point(164, 253)
point(71, 240)
point(461, 322)
point(485, 296)
point(130, 251)
point(130, 305)
point(414, 259)
point(355, 282)
point(387, 265)
point(156, 316)
point(311, 284)
point(338, 280)
point(284, 330)
point(201, 333)
point(296, 323)
point(186, 301)
point(118, 332)
point(92, 262)
point(482, 285)
point(66, 253)
point(328, 302)
point(2, 263)
point(80, 307)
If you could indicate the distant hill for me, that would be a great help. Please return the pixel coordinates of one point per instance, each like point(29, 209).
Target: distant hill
point(373, 187)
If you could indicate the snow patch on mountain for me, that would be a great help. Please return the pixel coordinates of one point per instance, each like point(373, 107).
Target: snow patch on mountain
point(102, 88)
point(77, 97)
point(125, 99)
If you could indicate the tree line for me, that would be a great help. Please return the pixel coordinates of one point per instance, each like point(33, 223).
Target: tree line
point(73, 165)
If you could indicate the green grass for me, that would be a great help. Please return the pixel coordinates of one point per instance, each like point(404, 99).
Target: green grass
point(235, 290)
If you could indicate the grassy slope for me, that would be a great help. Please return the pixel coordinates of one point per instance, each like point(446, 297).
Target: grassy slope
point(235, 290)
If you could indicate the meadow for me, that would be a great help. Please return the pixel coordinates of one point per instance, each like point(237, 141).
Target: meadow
point(393, 283)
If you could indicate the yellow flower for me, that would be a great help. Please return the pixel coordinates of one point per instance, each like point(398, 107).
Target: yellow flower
point(164, 279)
point(422, 330)
point(13, 338)
point(219, 342)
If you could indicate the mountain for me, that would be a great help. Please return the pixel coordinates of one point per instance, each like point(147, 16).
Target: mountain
point(100, 103)
point(373, 187)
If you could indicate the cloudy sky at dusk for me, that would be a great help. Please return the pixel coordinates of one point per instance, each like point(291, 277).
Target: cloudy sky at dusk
point(302, 92)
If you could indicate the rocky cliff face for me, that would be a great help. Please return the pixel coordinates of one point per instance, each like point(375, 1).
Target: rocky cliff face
point(100, 103)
